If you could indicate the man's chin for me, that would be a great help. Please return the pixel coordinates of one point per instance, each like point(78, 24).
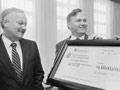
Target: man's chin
point(19, 37)
point(82, 32)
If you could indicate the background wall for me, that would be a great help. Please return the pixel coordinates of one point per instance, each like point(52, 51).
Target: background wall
point(116, 19)
point(46, 31)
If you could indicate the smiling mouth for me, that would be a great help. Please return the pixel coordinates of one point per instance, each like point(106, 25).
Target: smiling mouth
point(22, 31)
point(83, 26)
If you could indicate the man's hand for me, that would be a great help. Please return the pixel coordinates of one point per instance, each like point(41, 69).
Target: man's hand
point(117, 37)
point(47, 87)
point(95, 37)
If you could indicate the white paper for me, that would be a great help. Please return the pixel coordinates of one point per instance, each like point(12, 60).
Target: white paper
point(97, 66)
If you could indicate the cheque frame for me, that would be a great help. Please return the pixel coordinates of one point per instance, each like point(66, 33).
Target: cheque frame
point(72, 85)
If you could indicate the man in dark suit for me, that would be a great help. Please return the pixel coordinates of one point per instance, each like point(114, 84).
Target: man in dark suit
point(20, 65)
point(77, 24)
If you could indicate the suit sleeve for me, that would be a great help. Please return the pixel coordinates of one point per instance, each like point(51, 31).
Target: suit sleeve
point(57, 48)
point(38, 71)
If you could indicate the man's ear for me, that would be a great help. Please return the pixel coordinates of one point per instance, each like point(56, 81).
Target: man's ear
point(5, 23)
point(68, 25)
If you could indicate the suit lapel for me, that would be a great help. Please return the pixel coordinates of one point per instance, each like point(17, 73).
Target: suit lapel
point(4, 57)
point(25, 53)
point(86, 37)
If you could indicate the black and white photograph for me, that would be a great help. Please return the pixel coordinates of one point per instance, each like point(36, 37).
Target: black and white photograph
point(59, 44)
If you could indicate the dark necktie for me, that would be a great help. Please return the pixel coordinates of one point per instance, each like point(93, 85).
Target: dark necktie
point(78, 39)
point(16, 61)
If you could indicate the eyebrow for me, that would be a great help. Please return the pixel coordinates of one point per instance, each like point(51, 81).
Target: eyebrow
point(84, 19)
point(22, 22)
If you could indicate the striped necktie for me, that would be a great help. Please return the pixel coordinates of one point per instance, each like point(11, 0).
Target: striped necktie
point(16, 61)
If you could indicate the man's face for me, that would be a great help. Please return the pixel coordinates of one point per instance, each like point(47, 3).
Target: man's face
point(78, 24)
point(15, 25)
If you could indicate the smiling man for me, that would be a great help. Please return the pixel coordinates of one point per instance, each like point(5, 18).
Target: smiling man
point(14, 25)
point(77, 24)
point(20, 64)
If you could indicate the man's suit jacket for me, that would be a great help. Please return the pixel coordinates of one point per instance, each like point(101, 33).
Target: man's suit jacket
point(33, 73)
point(61, 43)
point(59, 47)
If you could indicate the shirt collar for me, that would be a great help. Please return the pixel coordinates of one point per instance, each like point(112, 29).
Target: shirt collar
point(7, 42)
point(81, 38)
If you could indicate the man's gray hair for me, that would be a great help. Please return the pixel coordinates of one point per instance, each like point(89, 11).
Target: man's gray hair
point(74, 12)
point(6, 12)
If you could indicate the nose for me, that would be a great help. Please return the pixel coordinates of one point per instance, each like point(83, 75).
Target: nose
point(83, 23)
point(23, 28)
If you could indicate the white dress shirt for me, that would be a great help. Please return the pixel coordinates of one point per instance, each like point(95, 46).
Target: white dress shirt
point(73, 37)
point(7, 44)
